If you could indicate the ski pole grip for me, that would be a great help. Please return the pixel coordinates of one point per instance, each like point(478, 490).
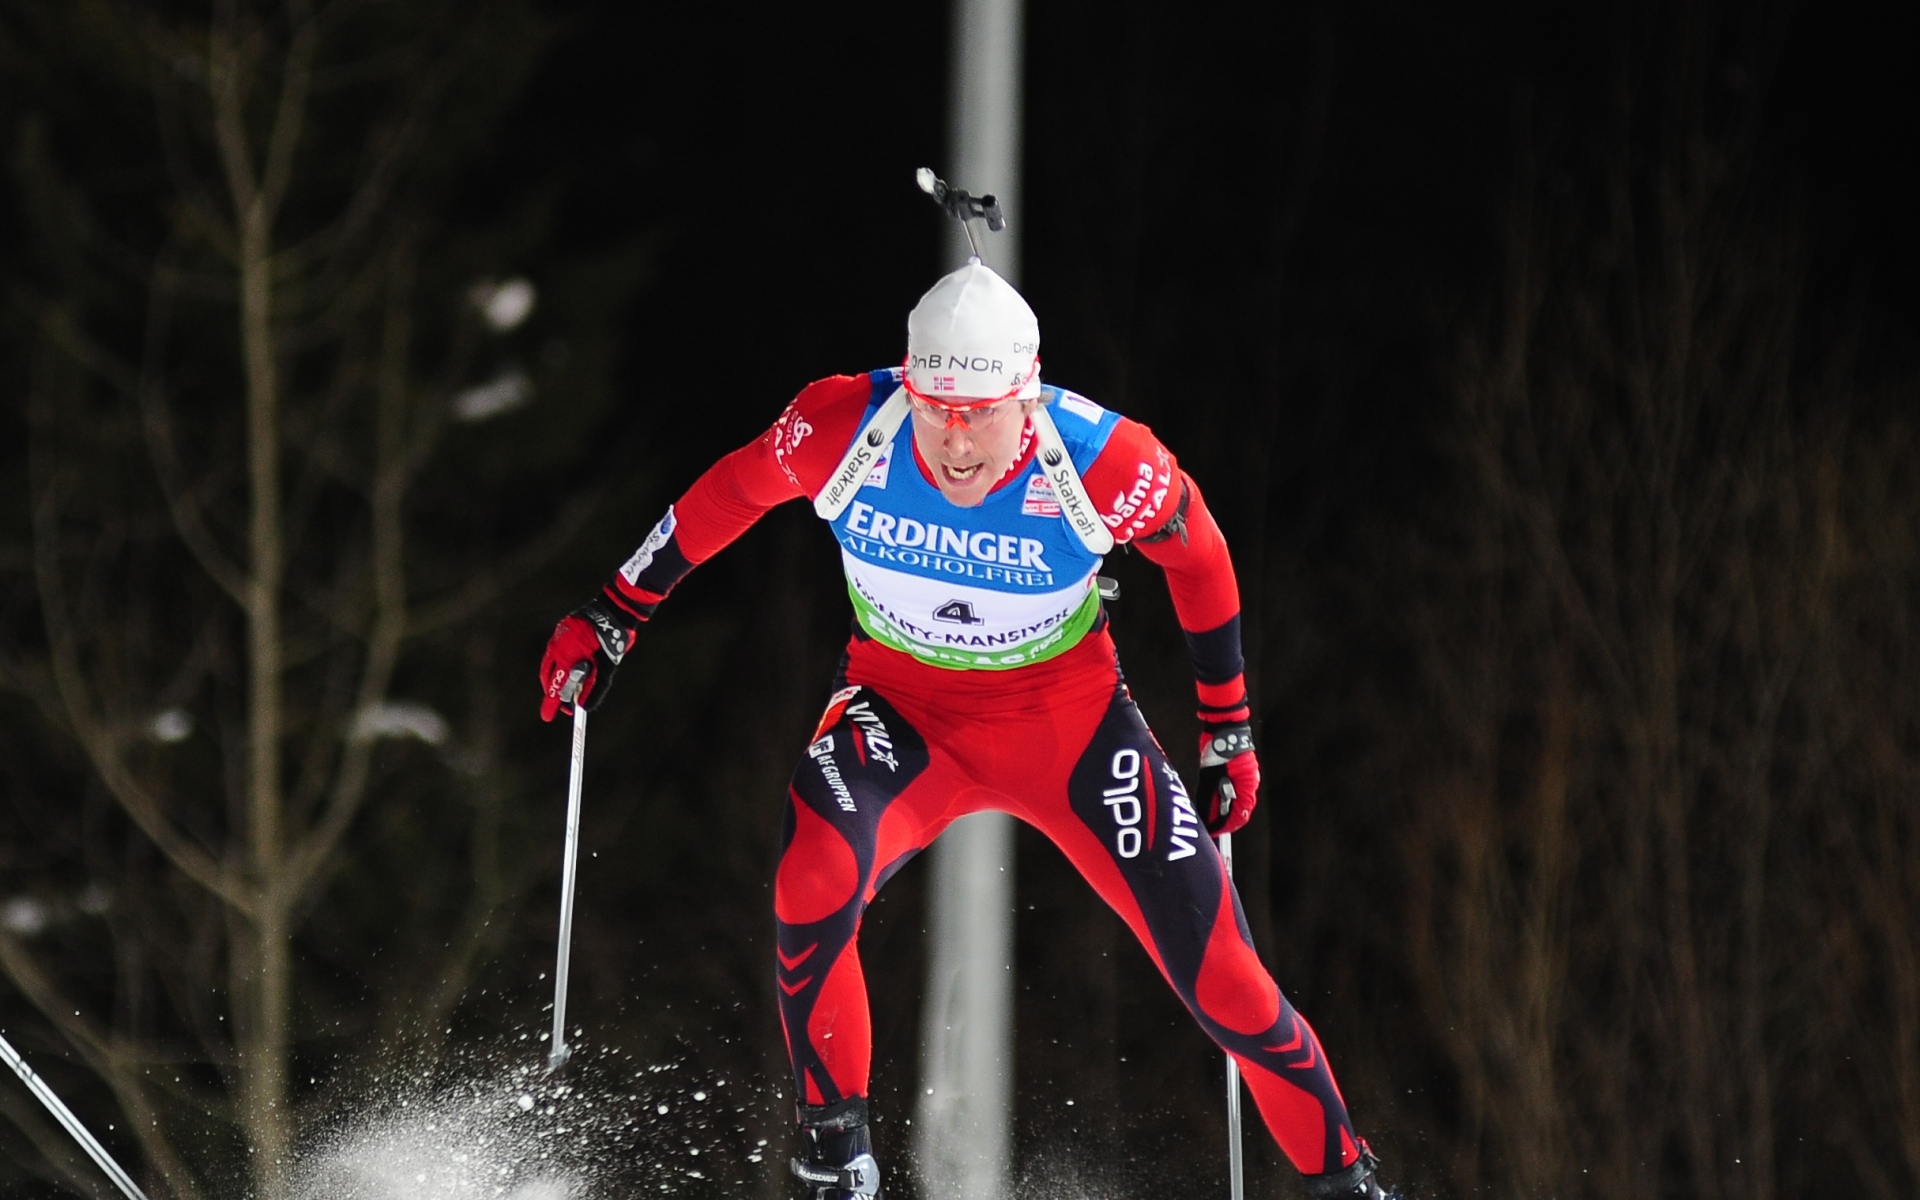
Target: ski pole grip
point(575, 678)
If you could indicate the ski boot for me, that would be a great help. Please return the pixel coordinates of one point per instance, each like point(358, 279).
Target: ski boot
point(839, 1164)
point(1352, 1182)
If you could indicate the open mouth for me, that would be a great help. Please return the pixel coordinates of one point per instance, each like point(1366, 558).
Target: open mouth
point(961, 475)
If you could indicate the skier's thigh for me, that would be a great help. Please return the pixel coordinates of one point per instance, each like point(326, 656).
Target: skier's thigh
point(851, 806)
point(1139, 841)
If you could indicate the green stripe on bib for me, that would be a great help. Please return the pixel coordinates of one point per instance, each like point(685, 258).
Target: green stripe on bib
point(957, 656)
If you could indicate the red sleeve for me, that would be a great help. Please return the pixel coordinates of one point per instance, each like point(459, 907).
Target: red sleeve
point(1131, 480)
point(791, 459)
point(1148, 501)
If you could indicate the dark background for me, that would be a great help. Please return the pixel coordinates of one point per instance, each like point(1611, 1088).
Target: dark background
point(1293, 239)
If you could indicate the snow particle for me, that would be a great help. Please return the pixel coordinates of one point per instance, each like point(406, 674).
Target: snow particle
point(505, 305)
point(170, 726)
point(398, 719)
point(25, 916)
point(508, 390)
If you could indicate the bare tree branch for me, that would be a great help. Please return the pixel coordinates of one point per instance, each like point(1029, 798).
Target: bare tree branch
point(226, 82)
point(486, 588)
point(101, 748)
point(392, 474)
point(393, 146)
point(321, 583)
point(142, 387)
point(290, 115)
point(105, 1057)
point(157, 421)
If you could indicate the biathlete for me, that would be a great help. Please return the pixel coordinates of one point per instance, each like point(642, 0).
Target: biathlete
point(972, 504)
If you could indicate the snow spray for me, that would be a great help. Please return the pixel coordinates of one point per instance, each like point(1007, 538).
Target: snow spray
point(614, 1128)
point(486, 1140)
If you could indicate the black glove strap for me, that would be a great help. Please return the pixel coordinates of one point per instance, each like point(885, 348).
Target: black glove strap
point(1225, 742)
point(615, 635)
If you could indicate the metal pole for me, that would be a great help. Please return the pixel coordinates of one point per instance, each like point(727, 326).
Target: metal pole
point(986, 117)
point(69, 1122)
point(561, 1051)
point(961, 1129)
point(963, 1123)
point(1236, 1182)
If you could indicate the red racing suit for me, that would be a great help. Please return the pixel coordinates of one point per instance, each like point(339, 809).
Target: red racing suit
point(908, 745)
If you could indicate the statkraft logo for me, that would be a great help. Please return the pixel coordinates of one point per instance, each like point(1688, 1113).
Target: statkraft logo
point(643, 557)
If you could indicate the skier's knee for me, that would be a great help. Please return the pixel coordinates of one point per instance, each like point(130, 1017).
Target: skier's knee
point(1234, 990)
point(818, 873)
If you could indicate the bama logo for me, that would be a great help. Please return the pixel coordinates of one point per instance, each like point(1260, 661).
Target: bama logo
point(787, 434)
point(1139, 503)
point(905, 533)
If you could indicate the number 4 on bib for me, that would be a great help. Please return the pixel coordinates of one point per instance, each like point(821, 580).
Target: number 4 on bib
point(960, 612)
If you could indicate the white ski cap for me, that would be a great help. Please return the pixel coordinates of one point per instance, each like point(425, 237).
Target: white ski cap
point(972, 338)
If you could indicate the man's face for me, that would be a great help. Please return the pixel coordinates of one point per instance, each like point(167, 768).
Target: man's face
point(969, 451)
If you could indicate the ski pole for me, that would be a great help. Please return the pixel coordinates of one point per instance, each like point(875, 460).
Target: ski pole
point(69, 1122)
point(557, 1058)
point(1235, 1181)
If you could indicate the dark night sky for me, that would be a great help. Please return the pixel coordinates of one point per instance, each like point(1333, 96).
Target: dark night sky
point(774, 148)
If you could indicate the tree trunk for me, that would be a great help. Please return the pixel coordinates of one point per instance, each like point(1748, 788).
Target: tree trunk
point(266, 1038)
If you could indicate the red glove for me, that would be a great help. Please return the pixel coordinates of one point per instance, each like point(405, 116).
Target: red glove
point(593, 635)
point(1229, 776)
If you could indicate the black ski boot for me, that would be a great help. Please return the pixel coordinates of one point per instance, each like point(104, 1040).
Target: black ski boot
point(1353, 1182)
point(839, 1163)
